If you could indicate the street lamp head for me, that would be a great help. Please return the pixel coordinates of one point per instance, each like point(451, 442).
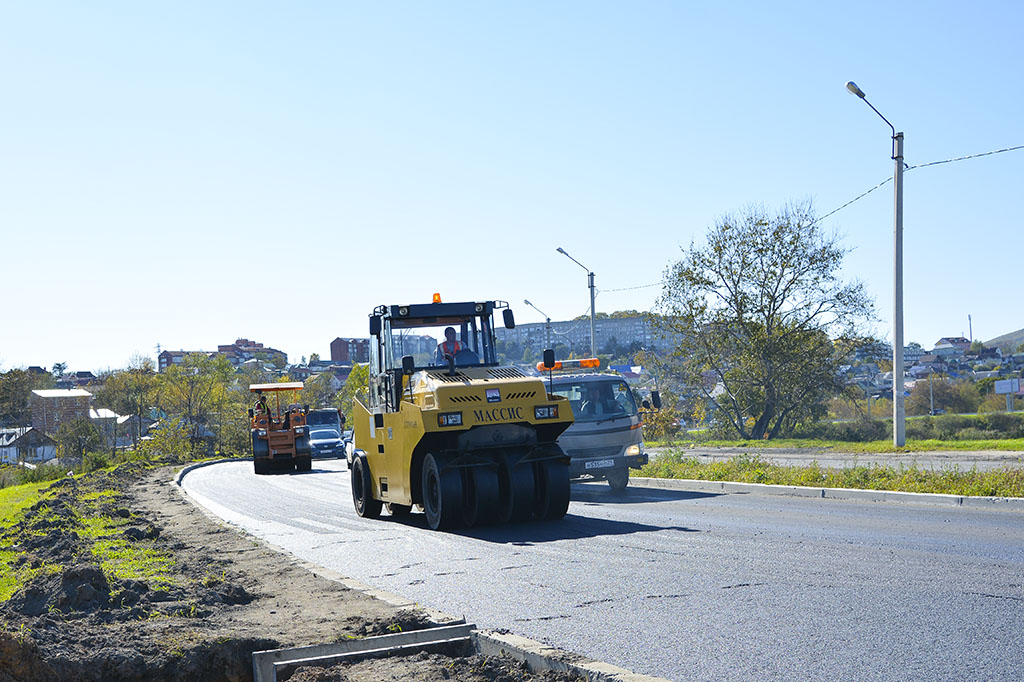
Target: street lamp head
point(527, 302)
point(852, 87)
point(562, 251)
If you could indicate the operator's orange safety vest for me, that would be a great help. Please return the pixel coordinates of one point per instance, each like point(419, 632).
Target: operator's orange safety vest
point(447, 350)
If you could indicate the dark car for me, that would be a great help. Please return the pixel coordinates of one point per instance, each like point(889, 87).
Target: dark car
point(326, 443)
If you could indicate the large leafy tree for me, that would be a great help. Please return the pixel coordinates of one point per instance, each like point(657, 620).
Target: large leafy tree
point(131, 391)
point(78, 437)
point(754, 312)
point(195, 389)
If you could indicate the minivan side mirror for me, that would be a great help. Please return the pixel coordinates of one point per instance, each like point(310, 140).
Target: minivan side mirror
point(656, 399)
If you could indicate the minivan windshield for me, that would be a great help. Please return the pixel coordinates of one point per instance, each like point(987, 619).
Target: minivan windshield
point(597, 400)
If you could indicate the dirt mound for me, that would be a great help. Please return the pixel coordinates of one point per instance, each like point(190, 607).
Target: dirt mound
point(432, 668)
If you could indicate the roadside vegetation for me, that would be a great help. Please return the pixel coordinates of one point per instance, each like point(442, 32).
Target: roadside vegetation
point(754, 469)
point(88, 513)
point(986, 431)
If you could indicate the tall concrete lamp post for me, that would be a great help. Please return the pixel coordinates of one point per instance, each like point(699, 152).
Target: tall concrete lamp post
point(593, 343)
point(898, 414)
point(547, 323)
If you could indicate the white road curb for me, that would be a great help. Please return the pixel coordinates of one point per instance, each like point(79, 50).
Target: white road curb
point(993, 503)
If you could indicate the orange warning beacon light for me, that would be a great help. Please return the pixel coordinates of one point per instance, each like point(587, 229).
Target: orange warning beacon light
point(582, 363)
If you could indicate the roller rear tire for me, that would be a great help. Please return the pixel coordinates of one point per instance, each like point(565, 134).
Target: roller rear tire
point(304, 463)
point(442, 493)
point(362, 490)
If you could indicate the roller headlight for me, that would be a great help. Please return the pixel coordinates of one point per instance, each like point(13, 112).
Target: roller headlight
point(545, 412)
point(449, 419)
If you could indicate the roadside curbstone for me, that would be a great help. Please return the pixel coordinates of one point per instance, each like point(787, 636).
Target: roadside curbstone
point(1015, 504)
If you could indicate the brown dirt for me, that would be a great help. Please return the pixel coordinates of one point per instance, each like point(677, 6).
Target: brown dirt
point(230, 596)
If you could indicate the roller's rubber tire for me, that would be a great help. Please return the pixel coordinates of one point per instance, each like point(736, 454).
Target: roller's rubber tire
point(304, 463)
point(302, 446)
point(260, 447)
point(482, 496)
point(442, 493)
point(399, 511)
point(618, 479)
point(362, 490)
point(552, 489)
point(517, 491)
point(260, 466)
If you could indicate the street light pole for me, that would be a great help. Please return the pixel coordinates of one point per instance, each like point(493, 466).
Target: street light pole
point(547, 323)
point(899, 438)
point(590, 283)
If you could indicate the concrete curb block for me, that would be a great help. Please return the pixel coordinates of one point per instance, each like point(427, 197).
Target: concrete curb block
point(1015, 504)
point(538, 657)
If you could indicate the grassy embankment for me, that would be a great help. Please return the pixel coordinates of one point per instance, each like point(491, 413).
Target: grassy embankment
point(868, 447)
point(84, 511)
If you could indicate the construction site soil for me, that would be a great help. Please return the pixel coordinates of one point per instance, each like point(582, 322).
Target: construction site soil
point(218, 596)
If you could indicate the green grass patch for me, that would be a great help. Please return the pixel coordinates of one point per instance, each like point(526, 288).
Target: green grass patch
point(753, 469)
point(119, 557)
point(15, 499)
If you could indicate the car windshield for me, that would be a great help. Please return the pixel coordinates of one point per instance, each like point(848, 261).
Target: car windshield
point(597, 400)
point(323, 434)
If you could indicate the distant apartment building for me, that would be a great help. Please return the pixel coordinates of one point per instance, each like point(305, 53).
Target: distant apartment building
point(52, 407)
point(413, 344)
point(622, 331)
point(350, 351)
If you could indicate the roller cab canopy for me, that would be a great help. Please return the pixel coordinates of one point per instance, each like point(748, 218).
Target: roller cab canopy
point(285, 386)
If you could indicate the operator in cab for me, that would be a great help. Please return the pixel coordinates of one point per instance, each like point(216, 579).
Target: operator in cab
point(450, 345)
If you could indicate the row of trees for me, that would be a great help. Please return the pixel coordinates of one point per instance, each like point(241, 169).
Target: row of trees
point(203, 400)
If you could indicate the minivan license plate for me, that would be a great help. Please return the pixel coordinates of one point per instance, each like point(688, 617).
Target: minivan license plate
point(599, 464)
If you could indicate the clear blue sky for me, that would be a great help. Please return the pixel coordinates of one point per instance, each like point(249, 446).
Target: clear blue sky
point(188, 173)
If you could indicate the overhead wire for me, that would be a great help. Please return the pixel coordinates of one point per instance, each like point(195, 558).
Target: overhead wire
point(920, 165)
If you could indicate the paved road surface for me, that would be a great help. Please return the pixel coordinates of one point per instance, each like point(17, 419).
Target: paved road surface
point(684, 585)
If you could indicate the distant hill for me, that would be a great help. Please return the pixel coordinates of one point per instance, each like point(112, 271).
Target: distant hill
point(1008, 342)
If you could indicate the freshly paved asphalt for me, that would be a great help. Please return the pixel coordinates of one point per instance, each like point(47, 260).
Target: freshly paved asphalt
point(684, 585)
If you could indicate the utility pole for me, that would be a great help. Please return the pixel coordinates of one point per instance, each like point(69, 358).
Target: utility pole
point(899, 422)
